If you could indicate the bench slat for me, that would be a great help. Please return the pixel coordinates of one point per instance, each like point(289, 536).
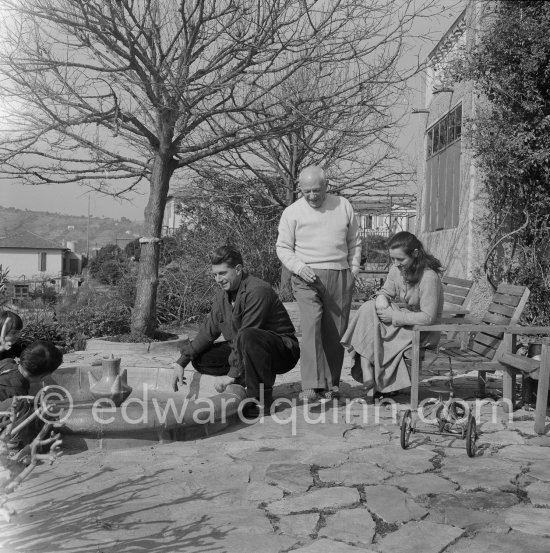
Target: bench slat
point(449, 298)
point(455, 290)
point(462, 282)
point(487, 339)
point(484, 350)
point(511, 289)
point(506, 299)
point(495, 319)
point(506, 310)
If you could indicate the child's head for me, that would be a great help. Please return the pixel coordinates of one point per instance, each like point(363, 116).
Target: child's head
point(10, 329)
point(39, 359)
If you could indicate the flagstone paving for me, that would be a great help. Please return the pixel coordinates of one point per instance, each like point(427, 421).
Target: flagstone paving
point(329, 478)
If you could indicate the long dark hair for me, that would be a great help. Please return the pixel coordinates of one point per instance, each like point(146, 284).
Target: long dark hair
point(408, 242)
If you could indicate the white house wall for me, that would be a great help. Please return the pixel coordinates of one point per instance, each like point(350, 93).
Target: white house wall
point(25, 264)
point(459, 249)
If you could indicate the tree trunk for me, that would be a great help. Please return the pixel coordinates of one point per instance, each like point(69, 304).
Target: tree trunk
point(286, 283)
point(144, 312)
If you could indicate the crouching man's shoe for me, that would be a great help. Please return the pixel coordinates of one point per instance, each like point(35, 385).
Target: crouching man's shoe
point(254, 409)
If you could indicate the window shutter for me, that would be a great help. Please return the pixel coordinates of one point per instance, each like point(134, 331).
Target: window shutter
point(453, 177)
point(441, 190)
point(42, 262)
point(428, 198)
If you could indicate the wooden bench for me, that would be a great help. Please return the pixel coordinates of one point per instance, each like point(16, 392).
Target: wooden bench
point(457, 295)
point(491, 347)
point(519, 364)
point(456, 291)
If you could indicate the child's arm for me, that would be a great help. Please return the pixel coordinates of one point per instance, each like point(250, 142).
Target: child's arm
point(12, 382)
point(3, 344)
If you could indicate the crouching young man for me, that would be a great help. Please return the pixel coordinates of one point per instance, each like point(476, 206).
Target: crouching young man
point(260, 337)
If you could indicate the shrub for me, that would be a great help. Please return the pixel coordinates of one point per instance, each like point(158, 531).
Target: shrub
point(365, 289)
point(533, 270)
point(234, 216)
point(40, 324)
point(46, 294)
point(97, 321)
point(132, 250)
point(374, 249)
point(104, 317)
point(185, 294)
point(125, 289)
point(509, 139)
point(185, 283)
point(3, 285)
point(110, 272)
point(84, 314)
point(108, 265)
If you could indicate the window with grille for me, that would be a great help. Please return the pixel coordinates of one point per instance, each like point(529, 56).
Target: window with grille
point(21, 291)
point(443, 149)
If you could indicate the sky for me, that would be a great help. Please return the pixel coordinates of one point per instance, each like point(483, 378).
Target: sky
point(73, 199)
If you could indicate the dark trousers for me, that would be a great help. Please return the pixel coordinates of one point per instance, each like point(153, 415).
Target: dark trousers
point(264, 353)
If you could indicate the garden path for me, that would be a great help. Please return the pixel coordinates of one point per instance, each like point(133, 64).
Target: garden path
point(286, 483)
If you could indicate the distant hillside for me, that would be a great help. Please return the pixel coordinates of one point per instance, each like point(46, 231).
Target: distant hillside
point(60, 228)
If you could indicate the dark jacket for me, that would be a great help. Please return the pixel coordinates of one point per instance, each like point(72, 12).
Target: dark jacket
point(15, 351)
point(12, 382)
point(256, 306)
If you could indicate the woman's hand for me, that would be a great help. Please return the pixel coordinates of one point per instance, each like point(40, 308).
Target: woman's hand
point(381, 302)
point(385, 315)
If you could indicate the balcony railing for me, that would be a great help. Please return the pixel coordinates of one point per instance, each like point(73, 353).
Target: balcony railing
point(374, 232)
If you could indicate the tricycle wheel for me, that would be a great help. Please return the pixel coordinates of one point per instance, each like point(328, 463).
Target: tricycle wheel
point(406, 429)
point(456, 411)
point(471, 436)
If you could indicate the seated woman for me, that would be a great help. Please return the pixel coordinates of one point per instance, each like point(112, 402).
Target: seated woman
point(380, 333)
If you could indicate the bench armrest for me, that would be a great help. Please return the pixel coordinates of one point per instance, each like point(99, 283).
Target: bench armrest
point(477, 327)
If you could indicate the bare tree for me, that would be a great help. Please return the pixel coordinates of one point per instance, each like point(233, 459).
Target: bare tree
point(113, 93)
point(345, 117)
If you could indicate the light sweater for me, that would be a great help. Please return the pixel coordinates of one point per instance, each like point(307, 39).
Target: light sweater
point(326, 237)
point(423, 301)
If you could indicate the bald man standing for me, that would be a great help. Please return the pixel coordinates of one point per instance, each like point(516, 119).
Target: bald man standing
point(319, 243)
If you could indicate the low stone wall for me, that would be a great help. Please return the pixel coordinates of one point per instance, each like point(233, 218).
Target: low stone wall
point(106, 345)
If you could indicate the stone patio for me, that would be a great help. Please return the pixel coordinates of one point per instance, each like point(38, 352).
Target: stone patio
point(293, 482)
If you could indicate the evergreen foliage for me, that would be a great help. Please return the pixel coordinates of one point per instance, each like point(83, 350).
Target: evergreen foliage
point(510, 133)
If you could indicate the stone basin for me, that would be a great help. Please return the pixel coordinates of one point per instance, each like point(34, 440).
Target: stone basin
point(153, 413)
